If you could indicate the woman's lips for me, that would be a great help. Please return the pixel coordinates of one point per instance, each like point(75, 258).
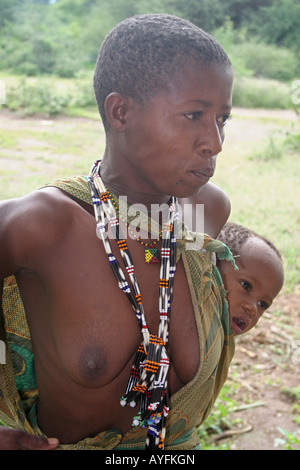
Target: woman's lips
point(203, 176)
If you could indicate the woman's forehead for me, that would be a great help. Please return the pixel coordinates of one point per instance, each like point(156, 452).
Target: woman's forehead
point(202, 83)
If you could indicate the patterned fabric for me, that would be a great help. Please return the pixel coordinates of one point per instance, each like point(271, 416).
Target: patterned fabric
point(188, 407)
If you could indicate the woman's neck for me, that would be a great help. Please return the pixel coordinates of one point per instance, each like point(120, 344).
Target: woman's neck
point(123, 184)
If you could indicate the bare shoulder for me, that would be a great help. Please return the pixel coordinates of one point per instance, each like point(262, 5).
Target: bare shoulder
point(36, 208)
point(217, 207)
point(26, 223)
point(214, 197)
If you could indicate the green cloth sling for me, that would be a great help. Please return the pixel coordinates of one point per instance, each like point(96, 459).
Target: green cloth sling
point(189, 406)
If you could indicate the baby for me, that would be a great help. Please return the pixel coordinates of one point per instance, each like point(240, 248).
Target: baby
point(252, 288)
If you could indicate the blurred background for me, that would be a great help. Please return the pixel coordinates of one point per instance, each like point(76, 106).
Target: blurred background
point(61, 38)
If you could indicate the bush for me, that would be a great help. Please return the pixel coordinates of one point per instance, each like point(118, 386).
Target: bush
point(252, 92)
point(267, 60)
point(36, 97)
point(49, 96)
point(292, 142)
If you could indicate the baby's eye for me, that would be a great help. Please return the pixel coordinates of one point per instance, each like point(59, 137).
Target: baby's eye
point(195, 116)
point(223, 119)
point(246, 285)
point(263, 304)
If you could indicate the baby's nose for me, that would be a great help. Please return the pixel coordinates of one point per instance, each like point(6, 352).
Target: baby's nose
point(251, 308)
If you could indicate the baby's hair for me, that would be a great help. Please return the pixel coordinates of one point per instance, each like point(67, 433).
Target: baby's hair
point(235, 235)
point(142, 54)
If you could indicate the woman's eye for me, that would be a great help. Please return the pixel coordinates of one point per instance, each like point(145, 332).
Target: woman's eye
point(195, 116)
point(223, 119)
point(246, 285)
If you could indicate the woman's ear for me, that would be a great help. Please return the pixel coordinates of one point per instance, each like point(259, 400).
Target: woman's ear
point(116, 108)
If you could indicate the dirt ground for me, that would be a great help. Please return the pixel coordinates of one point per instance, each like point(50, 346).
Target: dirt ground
point(266, 366)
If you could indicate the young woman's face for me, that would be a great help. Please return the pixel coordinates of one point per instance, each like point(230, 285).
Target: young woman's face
point(172, 142)
point(252, 288)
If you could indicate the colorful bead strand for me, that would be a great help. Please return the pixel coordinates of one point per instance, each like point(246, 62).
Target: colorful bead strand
point(148, 378)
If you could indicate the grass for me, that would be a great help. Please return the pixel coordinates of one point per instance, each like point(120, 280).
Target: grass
point(289, 441)
point(38, 151)
point(219, 421)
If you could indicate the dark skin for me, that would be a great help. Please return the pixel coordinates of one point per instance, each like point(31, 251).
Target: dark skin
point(83, 348)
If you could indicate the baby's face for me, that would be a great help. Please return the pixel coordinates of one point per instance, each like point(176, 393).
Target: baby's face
point(252, 288)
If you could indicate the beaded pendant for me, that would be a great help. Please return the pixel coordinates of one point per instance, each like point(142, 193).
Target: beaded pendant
point(152, 255)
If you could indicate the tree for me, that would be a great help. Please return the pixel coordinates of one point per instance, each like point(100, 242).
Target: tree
point(244, 12)
point(281, 23)
point(7, 10)
point(207, 14)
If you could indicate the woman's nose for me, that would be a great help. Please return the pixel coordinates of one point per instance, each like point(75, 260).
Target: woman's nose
point(211, 141)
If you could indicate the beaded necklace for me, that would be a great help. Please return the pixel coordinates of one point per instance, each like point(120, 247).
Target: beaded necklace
point(148, 377)
point(152, 253)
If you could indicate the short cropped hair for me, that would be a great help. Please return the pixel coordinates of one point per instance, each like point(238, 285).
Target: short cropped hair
point(235, 236)
point(139, 56)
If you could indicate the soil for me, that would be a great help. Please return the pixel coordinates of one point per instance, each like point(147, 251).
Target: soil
point(266, 366)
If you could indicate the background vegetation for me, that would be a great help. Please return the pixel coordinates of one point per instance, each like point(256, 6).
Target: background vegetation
point(61, 38)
